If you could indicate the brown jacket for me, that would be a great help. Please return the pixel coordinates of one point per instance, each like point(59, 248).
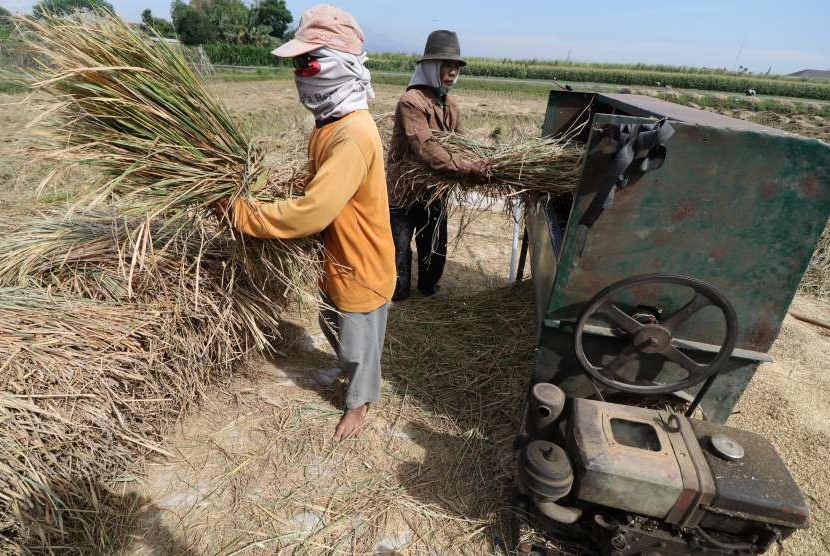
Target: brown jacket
point(418, 114)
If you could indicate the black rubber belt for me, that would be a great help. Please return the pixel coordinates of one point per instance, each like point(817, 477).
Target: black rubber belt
point(627, 166)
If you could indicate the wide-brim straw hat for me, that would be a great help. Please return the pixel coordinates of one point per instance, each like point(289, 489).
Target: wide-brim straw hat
point(443, 45)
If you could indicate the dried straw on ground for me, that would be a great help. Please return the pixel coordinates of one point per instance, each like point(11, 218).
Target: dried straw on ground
point(434, 466)
point(85, 386)
point(537, 167)
point(816, 280)
point(139, 350)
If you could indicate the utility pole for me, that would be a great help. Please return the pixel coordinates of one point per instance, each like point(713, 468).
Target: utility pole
point(741, 49)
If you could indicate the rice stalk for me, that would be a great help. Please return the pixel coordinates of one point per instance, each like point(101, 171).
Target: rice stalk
point(103, 256)
point(536, 167)
point(136, 110)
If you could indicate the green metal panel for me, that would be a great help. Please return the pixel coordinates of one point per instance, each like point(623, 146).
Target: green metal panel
point(741, 210)
point(735, 204)
point(542, 258)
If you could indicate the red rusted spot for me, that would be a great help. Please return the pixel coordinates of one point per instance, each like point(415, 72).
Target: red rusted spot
point(719, 252)
point(768, 190)
point(683, 212)
point(762, 337)
point(810, 187)
point(647, 292)
point(592, 283)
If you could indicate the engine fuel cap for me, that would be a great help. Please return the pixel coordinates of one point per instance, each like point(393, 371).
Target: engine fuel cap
point(726, 447)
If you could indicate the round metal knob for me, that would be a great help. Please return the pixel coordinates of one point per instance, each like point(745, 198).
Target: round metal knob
point(727, 447)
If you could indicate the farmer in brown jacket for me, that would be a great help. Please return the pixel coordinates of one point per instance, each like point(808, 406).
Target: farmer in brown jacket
point(426, 106)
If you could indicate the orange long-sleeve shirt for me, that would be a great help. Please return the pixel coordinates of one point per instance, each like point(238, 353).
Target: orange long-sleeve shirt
point(347, 201)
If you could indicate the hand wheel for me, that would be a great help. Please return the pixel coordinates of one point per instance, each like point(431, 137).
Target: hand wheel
point(655, 338)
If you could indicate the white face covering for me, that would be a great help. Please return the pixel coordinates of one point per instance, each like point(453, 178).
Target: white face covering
point(342, 85)
point(428, 73)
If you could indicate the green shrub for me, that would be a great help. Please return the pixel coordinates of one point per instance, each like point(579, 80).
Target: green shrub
point(242, 55)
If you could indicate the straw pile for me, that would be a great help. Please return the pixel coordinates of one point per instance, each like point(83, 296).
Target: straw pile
point(535, 167)
point(816, 280)
point(116, 315)
point(75, 403)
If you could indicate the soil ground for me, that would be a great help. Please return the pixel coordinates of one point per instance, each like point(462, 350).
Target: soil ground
point(255, 470)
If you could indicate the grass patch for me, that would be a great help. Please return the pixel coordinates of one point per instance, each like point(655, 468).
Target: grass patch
point(10, 87)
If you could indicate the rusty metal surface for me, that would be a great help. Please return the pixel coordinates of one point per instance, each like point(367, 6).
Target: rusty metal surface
point(644, 481)
point(698, 483)
point(736, 204)
point(690, 497)
point(758, 487)
point(740, 209)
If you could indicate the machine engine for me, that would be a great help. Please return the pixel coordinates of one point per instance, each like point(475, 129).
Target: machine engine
point(654, 481)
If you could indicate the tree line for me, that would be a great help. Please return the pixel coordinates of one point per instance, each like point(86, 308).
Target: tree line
point(263, 23)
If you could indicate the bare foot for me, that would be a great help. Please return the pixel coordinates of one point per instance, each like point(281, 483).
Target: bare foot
point(351, 423)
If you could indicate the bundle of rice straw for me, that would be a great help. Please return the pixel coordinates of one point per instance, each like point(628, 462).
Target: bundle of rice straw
point(537, 167)
point(136, 110)
point(119, 313)
point(204, 276)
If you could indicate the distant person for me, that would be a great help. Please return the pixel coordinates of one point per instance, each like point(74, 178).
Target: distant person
point(426, 106)
point(345, 200)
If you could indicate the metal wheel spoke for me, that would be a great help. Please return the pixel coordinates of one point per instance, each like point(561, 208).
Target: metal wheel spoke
point(684, 313)
point(620, 318)
point(628, 354)
point(687, 363)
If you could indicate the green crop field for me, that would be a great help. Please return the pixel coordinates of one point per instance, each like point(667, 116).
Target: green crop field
point(640, 74)
point(572, 72)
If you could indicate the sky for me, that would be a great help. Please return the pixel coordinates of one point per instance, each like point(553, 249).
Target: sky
point(758, 34)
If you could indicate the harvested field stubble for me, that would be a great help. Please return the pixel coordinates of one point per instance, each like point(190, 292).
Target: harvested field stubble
point(431, 473)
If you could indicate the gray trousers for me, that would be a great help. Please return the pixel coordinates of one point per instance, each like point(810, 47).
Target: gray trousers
point(357, 339)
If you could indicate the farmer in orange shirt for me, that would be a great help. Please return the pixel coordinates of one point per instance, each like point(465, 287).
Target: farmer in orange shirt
point(346, 200)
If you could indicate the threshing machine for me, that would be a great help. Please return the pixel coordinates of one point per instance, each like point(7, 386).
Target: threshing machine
point(659, 290)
